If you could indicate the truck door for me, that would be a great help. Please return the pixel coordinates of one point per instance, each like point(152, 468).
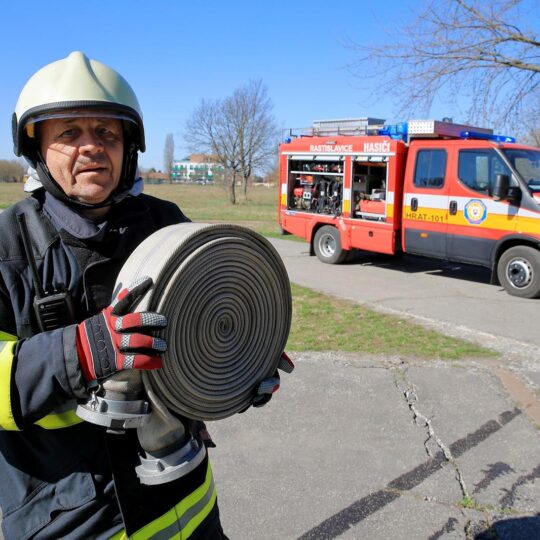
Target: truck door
point(479, 221)
point(425, 203)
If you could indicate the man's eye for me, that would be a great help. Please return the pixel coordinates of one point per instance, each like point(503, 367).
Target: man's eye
point(108, 133)
point(68, 133)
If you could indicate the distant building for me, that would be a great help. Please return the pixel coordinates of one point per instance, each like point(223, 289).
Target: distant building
point(197, 168)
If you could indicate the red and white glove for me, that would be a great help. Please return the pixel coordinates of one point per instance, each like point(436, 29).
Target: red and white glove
point(268, 386)
point(116, 339)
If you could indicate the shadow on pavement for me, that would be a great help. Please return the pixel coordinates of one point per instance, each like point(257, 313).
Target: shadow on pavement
point(523, 528)
point(339, 523)
point(413, 264)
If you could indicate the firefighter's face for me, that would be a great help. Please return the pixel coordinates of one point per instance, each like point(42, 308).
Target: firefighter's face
point(84, 155)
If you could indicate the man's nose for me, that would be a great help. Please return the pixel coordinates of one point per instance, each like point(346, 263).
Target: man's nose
point(90, 143)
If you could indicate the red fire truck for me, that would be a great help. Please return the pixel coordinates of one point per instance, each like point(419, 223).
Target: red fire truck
point(426, 187)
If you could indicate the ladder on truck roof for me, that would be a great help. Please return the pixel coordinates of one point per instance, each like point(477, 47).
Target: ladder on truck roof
point(346, 126)
point(405, 131)
point(330, 128)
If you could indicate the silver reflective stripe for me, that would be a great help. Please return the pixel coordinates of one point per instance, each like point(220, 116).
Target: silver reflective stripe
point(185, 518)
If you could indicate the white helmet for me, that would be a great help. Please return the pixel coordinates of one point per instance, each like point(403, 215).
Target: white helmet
point(72, 87)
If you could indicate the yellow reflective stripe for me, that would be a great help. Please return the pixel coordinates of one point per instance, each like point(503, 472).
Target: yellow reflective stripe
point(156, 526)
point(59, 419)
point(7, 344)
point(181, 521)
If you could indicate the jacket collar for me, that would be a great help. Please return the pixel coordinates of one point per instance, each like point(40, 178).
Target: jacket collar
point(65, 218)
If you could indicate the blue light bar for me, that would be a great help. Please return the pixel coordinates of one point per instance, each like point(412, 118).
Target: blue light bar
point(395, 131)
point(486, 136)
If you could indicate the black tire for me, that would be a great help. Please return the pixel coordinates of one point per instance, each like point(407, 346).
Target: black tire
point(327, 245)
point(518, 271)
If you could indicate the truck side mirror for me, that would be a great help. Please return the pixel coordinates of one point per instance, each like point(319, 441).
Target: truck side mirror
point(500, 189)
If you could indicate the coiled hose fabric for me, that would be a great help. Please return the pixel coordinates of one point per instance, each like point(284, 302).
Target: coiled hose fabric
point(227, 298)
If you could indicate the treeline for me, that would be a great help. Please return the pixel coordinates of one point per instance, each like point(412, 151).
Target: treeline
point(11, 170)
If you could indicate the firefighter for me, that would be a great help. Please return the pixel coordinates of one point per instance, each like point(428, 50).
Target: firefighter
point(79, 124)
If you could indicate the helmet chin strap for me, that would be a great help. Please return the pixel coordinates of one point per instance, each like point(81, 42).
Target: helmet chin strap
point(50, 185)
point(127, 177)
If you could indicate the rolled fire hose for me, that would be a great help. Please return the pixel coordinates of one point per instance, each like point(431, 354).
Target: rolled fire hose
point(226, 295)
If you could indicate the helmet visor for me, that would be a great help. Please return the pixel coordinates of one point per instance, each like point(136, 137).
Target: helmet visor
point(73, 113)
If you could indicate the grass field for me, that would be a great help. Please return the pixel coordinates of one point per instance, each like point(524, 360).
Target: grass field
point(347, 326)
point(210, 204)
point(323, 323)
point(10, 193)
point(200, 203)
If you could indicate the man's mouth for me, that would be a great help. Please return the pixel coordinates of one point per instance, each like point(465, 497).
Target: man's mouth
point(97, 168)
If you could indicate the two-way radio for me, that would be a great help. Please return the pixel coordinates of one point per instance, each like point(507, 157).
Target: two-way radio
point(53, 308)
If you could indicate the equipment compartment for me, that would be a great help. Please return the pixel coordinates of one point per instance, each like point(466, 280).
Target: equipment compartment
point(369, 190)
point(316, 185)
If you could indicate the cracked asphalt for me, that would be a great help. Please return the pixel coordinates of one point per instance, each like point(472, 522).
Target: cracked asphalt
point(358, 447)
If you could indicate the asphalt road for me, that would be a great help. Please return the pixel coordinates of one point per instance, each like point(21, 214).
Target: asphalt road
point(378, 448)
point(457, 299)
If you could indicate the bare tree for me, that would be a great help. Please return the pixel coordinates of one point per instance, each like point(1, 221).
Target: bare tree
point(532, 137)
point(168, 156)
point(210, 130)
point(462, 50)
point(237, 131)
point(258, 132)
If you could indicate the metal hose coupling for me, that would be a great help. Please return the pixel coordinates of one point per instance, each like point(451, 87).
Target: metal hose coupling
point(117, 404)
point(155, 470)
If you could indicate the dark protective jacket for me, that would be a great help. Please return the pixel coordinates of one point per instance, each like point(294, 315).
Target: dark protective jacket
point(56, 471)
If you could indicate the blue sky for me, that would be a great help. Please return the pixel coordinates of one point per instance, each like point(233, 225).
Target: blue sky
point(174, 53)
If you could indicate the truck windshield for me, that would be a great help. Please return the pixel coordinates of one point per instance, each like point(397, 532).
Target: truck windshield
point(527, 164)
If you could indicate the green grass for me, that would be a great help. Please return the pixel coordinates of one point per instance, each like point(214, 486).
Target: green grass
point(324, 323)
point(211, 204)
point(320, 322)
point(10, 193)
point(467, 502)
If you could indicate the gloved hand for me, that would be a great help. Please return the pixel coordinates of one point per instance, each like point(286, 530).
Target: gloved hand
point(125, 385)
point(163, 431)
point(116, 339)
point(268, 386)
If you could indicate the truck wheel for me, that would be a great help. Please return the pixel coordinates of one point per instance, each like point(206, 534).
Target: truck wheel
point(518, 271)
point(327, 245)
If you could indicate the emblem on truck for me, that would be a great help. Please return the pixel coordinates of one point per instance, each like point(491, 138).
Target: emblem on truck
point(475, 211)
